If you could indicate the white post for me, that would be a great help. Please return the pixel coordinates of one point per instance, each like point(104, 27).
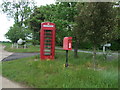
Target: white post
point(17, 45)
point(12, 45)
point(24, 46)
point(103, 49)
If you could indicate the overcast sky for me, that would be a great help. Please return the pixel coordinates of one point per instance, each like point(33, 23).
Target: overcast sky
point(5, 23)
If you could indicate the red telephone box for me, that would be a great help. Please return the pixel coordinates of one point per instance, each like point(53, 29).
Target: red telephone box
point(47, 41)
point(67, 43)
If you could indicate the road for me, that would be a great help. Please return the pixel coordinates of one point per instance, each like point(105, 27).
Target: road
point(111, 56)
point(88, 51)
point(4, 82)
point(16, 56)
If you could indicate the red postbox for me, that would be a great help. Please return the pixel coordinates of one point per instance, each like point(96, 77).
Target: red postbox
point(47, 41)
point(67, 43)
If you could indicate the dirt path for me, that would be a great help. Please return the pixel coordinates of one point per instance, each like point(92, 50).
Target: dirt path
point(4, 82)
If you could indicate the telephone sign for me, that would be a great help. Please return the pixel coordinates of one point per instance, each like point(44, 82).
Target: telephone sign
point(48, 26)
point(47, 41)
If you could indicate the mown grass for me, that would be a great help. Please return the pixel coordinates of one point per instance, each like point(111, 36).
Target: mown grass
point(52, 74)
point(30, 48)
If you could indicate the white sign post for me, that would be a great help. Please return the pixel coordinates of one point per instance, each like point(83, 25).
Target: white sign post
point(106, 45)
point(20, 41)
point(103, 49)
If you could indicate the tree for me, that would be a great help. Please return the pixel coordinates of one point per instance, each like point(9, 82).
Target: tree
point(64, 19)
point(33, 22)
point(18, 10)
point(96, 22)
point(62, 14)
point(15, 33)
point(115, 43)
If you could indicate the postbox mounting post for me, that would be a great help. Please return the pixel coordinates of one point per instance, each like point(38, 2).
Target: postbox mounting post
point(66, 64)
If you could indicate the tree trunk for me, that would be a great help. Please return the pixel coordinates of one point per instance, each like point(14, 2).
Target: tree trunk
point(76, 48)
point(16, 16)
point(94, 57)
point(22, 18)
point(33, 42)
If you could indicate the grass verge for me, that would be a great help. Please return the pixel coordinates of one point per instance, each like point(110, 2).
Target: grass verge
point(30, 48)
point(52, 74)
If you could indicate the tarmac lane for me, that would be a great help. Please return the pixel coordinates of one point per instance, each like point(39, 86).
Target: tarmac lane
point(16, 56)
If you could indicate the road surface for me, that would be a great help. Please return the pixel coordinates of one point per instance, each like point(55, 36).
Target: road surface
point(16, 56)
point(88, 51)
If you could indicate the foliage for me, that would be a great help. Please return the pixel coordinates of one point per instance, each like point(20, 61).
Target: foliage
point(115, 45)
point(96, 22)
point(63, 17)
point(61, 14)
point(15, 33)
point(33, 23)
point(19, 10)
point(90, 21)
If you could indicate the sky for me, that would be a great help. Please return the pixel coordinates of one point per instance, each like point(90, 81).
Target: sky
point(5, 23)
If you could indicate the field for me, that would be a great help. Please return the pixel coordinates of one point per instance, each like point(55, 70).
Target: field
point(33, 72)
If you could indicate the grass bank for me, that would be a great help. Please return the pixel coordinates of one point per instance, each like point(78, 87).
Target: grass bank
point(30, 48)
point(52, 74)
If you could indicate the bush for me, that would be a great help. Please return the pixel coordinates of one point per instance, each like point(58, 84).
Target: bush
point(115, 45)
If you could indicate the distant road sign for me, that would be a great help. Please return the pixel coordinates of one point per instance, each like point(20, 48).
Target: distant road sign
point(20, 41)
